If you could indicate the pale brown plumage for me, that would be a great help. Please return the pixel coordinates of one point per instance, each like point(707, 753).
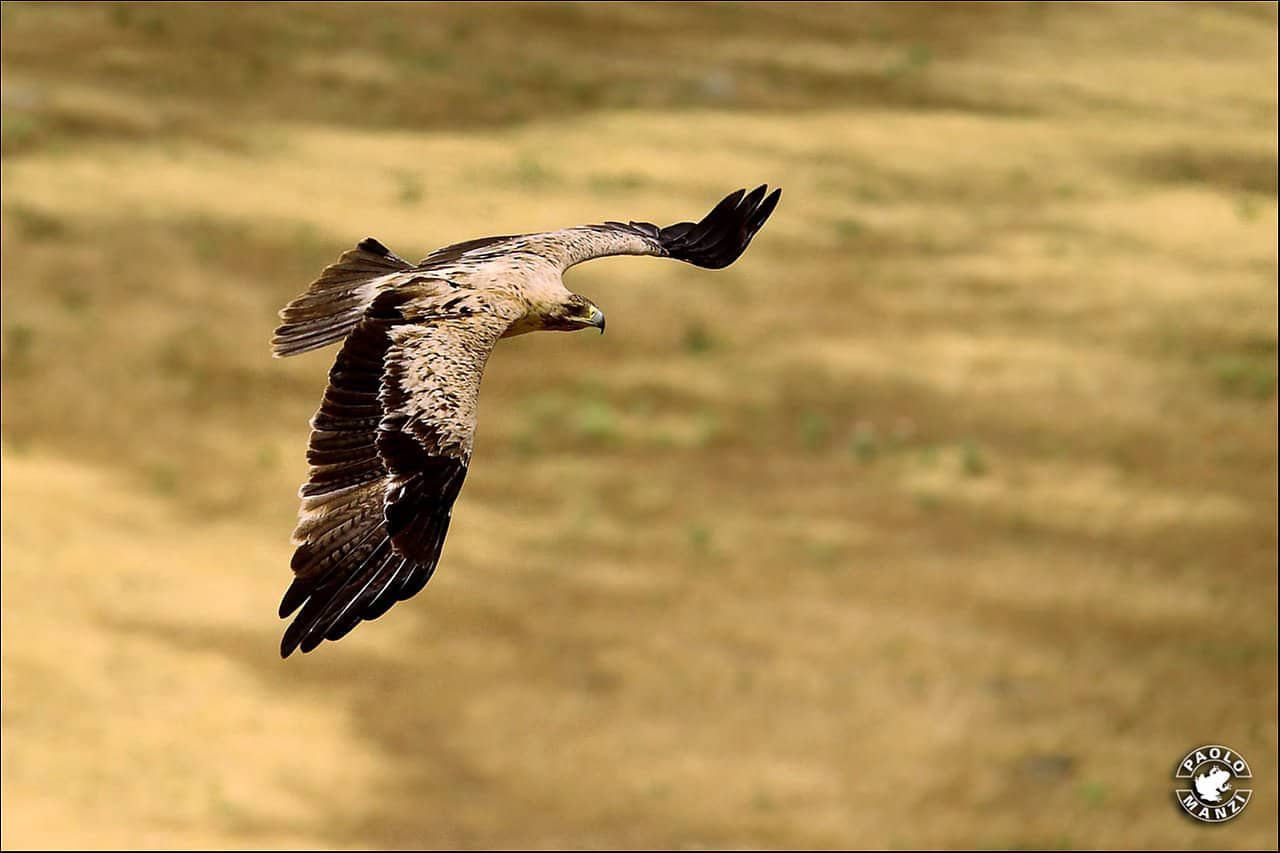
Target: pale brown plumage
point(392, 439)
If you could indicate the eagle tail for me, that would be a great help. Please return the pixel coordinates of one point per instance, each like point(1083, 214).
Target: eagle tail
point(334, 303)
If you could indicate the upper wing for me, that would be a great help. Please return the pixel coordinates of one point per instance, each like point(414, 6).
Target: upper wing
point(467, 248)
point(714, 242)
point(389, 450)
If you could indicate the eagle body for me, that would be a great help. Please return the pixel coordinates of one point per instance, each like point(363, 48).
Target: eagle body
point(391, 442)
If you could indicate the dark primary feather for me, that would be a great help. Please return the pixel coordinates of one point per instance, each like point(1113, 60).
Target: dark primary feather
point(720, 237)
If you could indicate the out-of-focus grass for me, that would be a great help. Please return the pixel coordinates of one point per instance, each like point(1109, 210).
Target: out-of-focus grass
point(946, 517)
point(130, 71)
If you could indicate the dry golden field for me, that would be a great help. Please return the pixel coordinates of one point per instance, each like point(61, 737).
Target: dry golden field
point(946, 517)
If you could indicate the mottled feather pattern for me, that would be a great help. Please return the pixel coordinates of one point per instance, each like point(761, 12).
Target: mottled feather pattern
point(392, 439)
point(432, 379)
point(430, 390)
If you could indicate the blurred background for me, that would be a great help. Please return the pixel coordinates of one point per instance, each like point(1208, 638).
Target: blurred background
point(945, 517)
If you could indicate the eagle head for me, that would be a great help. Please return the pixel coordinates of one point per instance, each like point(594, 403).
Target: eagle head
point(573, 313)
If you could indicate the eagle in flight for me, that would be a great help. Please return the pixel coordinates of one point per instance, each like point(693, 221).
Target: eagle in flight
point(392, 440)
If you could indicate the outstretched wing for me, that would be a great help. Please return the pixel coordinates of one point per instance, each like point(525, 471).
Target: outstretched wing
point(389, 450)
point(719, 238)
point(714, 242)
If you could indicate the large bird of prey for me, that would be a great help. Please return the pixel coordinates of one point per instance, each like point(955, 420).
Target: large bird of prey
point(392, 440)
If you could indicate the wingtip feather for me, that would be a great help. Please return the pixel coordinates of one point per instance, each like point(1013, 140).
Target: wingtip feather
point(720, 237)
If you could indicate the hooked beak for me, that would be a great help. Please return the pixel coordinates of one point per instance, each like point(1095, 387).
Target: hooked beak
point(597, 319)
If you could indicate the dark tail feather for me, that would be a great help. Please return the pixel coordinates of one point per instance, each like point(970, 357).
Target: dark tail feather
point(334, 303)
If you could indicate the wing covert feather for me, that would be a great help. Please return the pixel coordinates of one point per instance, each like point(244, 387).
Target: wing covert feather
point(430, 388)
